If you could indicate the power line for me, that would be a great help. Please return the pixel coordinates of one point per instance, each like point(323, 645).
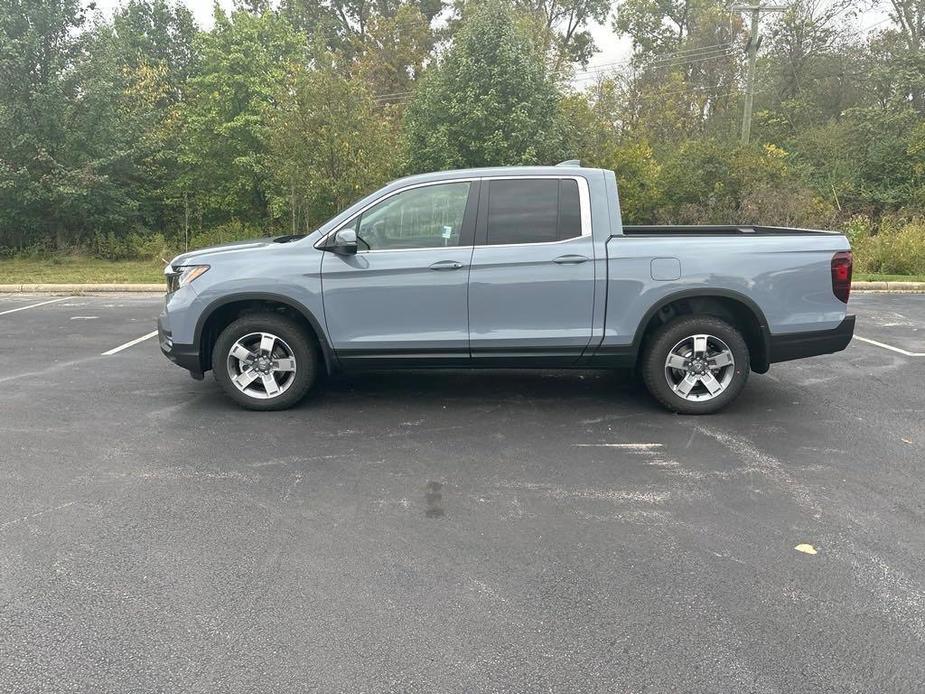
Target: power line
point(666, 60)
point(661, 64)
point(867, 30)
point(692, 53)
point(582, 76)
point(665, 56)
point(377, 97)
point(687, 90)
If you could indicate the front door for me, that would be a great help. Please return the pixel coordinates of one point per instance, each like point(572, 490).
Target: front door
point(531, 287)
point(402, 297)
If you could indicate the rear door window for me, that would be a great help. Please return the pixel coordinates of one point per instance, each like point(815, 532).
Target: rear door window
point(569, 209)
point(538, 210)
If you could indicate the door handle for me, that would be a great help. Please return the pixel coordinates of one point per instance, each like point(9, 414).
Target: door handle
point(446, 265)
point(571, 259)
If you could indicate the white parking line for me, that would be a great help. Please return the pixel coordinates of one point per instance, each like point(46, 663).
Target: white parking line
point(628, 446)
point(132, 343)
point(43, 303)
point(890, 347)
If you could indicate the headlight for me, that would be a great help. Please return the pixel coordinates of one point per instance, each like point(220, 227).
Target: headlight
point(183, 275)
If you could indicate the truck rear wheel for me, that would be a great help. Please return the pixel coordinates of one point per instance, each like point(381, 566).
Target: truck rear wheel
point(265, 361)
point(695, 364)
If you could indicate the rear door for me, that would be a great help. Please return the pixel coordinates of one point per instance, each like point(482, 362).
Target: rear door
point(403, 296)
point(531, 285)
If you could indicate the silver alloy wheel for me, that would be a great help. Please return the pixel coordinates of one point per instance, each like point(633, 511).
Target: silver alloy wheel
point(699, 368)
point(261, 365)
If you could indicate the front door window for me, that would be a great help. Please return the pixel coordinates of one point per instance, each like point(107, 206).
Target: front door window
point(425, 217)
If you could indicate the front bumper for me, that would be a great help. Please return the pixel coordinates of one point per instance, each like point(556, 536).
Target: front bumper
point(791, 346)
point(185, 356)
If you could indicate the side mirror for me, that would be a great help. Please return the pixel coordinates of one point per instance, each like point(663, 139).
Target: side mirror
point(345, 242)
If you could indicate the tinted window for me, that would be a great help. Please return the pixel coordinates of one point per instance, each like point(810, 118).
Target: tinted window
point(523, 211)
point(425, 217)
point(569, 209)
point(533, 211)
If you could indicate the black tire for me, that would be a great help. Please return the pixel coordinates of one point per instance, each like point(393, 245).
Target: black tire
point(667, 336)
point(301, 345)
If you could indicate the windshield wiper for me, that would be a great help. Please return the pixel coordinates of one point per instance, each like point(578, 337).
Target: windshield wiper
point(289, 237)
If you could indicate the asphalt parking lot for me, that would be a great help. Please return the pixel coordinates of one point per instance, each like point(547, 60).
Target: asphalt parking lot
point(486, 531)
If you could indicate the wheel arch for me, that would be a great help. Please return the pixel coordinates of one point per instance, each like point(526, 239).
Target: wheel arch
point(222, 311)
point(726, 304)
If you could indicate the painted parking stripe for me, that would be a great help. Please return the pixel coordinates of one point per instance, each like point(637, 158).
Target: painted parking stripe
point(131, 343)
point(42, 303)
point(890, 347)
point(628, 446)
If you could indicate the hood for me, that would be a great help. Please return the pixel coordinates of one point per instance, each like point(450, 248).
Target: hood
point(206, 255)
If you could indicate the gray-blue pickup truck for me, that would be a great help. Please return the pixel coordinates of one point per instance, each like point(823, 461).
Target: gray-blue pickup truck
point(507, 267)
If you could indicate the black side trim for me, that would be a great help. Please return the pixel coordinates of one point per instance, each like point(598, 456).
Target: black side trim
point(810, 344)
point(611, 357)
point(360, 359)
point(529, 350)
point(398, 352)
point(528, 357)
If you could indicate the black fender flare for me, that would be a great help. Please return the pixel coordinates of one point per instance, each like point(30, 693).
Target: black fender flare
point(706, 293)
point(330, 358)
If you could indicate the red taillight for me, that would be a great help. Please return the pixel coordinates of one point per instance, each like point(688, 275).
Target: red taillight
point(842, 263)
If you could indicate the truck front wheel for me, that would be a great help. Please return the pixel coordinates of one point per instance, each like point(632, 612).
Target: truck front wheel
point(264, 361)
point(695, 364)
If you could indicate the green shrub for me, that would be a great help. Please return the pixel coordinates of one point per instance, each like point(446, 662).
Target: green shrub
point(108, 246)
point(713, 182)
point(906, 249)
point(150, 247)
point(896, 247)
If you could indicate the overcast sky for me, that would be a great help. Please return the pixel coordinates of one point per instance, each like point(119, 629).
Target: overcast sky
point(611, 48)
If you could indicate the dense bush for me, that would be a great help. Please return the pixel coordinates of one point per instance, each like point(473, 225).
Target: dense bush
point(895, 247)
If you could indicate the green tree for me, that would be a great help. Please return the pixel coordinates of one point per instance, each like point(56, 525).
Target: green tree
point(330, 144)
point(343, 25)
point(909, 15)
point(561, 27)
point(802, 37)
point(488, 102)
point(44, 183)
point(392, 55)
point(638, 178)
point(243, 62)
point(685, 57)
point(136, 75)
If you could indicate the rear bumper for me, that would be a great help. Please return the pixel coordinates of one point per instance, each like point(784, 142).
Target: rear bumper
point(185, 356)
point(810, 344)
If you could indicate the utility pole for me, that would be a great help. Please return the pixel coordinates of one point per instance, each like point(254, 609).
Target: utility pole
point(754, 41)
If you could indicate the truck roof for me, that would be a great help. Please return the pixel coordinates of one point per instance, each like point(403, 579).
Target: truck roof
point(566, 167)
